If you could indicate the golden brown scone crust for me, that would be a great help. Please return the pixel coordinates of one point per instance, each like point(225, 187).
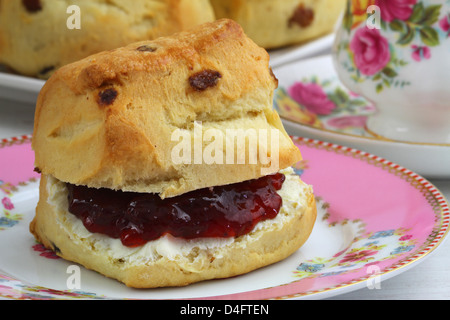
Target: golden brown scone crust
point(272, 24)
point(260, 248)
point(107, 120)
point(36, 41)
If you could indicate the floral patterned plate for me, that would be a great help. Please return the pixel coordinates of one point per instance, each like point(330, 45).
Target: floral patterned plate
point(375, 220)
point(315, 104)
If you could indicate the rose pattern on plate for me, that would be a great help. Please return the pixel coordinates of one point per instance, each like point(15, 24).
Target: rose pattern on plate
point(366, 249)
point(44, 252)
point(324, 104)
point(312, 97)
point(17, 290)
point(371, 56)
point(9, 219)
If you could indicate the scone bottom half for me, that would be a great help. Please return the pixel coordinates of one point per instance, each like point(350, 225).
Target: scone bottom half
point(112, 197)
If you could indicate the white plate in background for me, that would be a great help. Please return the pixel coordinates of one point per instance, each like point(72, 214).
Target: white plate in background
point(19, 88)
point(309, 49)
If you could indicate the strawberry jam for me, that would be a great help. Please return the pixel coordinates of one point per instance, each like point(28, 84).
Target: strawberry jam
point(136, 218)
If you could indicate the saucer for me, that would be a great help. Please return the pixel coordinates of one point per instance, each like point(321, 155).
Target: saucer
point(313, 103)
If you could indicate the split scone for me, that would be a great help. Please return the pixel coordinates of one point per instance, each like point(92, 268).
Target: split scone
point(39, 36)
point(164, 164)
point(273, 24)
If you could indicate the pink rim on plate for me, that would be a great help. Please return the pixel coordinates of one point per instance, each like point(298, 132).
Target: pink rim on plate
point(375, 219)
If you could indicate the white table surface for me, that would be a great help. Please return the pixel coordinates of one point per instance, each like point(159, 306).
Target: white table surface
point(430, 279)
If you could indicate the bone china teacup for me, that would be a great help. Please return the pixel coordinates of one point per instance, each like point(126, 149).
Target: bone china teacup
point(396, 53)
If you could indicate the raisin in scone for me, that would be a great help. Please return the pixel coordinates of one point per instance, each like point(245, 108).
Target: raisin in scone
point(273, 24)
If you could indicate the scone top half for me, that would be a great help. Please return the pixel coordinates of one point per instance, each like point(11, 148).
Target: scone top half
point(114, 119)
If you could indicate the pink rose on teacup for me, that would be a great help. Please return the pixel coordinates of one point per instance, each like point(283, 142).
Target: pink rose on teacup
point(399, 65)
point(371, 51)
point(444, 23)
point(420, 53)
point(395, 9)
point(312, 97)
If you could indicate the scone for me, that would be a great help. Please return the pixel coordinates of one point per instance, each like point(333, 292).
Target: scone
point(36, 36)
point(273, 24)
point(164, 164)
